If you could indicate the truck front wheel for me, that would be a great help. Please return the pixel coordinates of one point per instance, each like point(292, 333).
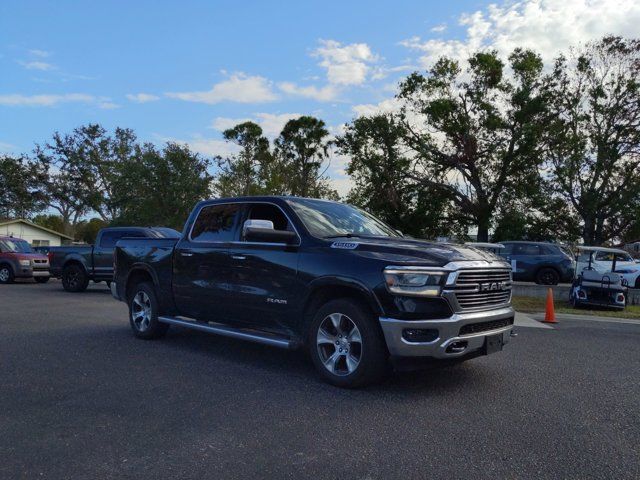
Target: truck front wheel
point(346, 344)
point(143, 312)
point(74, 278)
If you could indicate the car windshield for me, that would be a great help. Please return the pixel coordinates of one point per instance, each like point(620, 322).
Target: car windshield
point(330, 219)
point(164, 232)
point(15, 246)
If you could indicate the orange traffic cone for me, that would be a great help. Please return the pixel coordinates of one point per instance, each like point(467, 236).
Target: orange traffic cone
point(550, 312)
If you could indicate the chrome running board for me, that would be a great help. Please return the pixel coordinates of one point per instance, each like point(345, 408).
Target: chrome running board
point(232, 332)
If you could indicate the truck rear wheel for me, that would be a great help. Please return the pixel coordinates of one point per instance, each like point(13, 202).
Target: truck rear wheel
point(74, 278)
point(6, 274)
point(143, 312)
point(346, 344)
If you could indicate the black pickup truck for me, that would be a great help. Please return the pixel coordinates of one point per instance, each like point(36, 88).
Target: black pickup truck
point(293, 272)
point(78, 264)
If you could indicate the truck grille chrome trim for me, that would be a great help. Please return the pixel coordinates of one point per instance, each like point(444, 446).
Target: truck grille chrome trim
point(480, 289)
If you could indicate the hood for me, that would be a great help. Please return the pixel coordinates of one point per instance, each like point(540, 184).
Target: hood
point(411, 251)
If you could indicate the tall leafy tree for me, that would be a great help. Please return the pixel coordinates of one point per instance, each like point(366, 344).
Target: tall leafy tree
point(303, 149)
point(85, 166)
point(160, 187)
point(594, 139)
point(21, 187)
point(475, 132)
point(251, 171)
point(378, 166)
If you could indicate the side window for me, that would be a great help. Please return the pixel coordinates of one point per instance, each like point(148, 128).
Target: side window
point(507, 250)
point(267, 211)
point(526, 249)
point(604, 256)
point(216, 223)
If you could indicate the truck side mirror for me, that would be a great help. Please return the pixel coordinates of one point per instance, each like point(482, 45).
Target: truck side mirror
point(263, 231)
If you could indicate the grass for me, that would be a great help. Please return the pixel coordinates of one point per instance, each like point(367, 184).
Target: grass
point(537, 305)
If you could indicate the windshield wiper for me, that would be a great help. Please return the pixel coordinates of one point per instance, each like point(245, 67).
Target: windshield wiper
point(343, 235)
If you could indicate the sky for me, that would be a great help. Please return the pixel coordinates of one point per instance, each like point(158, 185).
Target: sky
point(185, 71)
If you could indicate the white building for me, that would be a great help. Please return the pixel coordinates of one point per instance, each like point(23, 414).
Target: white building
point(36, 235)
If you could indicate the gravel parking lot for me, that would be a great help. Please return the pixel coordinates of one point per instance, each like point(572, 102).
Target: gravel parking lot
point(82, 398)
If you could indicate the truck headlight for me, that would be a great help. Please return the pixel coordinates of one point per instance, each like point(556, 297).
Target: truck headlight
point(25, 263)
point(419, 283)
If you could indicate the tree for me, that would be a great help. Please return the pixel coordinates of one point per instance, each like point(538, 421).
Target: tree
point(593, 142)
point(87, 230)
point(378, 163)
point(251, 171)
point(21, 187)
point(52, 222)
point(160, 187)
point(475, 134)
point(303, 148)
point(86, 164)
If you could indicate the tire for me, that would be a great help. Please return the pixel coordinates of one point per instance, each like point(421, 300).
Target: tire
point(637, 285)
point(352, 326)
point(41, 279)
point(143, 312)
point(547, 276)
point(74, 278)
point(6, 274)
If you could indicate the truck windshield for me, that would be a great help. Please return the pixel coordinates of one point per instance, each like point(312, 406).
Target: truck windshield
point(15, 246)
point(329, 219)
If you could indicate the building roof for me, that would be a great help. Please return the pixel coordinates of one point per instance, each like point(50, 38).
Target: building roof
point(35, 225)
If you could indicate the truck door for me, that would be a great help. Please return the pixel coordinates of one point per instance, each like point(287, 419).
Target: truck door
point(265, 282)
point(202, 267)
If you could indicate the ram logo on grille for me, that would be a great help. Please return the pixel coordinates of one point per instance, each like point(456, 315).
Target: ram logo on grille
point(492, 286)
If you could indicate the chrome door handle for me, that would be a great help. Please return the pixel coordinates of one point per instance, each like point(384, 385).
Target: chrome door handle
point(186, 254)
point(238, 257)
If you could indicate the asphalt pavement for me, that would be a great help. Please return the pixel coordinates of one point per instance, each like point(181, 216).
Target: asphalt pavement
point(82, 398)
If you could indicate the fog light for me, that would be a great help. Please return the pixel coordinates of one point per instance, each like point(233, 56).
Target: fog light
point(420, 335)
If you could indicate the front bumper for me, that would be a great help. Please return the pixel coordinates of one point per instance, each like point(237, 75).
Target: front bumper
point(29, 272)
point(448, 334)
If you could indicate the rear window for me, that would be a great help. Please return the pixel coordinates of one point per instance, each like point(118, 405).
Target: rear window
point(216, 223)
point(111, 237)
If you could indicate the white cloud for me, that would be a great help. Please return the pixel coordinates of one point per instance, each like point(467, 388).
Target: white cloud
point(321, 94)
point(271, 123)
point(51, 100)
point(39, 53)
point(7, 147)
point(142, 97)
point(37, 65)
point(345, 64)
point(390, 105)
point(547, 26)
point(439, 28)
point(239, 87)
point(44, 100)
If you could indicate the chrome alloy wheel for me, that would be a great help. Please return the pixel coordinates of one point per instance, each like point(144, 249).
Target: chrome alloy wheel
point(4, 274)
point(339, 344)
point(141, 311)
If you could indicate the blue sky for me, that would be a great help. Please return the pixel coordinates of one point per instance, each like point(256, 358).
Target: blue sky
point(186, 70)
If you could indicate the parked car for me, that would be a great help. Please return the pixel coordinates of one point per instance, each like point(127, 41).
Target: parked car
point(604, 260)
point(77, 265)
point(18, 260)
point(540, 262)
point(293, 272)
point(489, 247)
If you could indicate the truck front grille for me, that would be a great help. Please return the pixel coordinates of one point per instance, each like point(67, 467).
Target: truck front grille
point(476, 289)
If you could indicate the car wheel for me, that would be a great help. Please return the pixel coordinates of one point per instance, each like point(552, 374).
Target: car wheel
point(41, 279)
point(547, 276)
point(346, 344)
point(143, 312)
point(74, 278)
point(6, 274)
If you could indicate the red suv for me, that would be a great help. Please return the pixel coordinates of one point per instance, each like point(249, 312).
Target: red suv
point(18, 260)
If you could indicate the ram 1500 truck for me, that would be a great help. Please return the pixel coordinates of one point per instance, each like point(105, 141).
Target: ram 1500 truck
point(76, 265)
point(18, 260)
point(296, 272)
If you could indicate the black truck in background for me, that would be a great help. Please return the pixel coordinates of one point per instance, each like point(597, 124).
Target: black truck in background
point(293, 272)
point(76, 265)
